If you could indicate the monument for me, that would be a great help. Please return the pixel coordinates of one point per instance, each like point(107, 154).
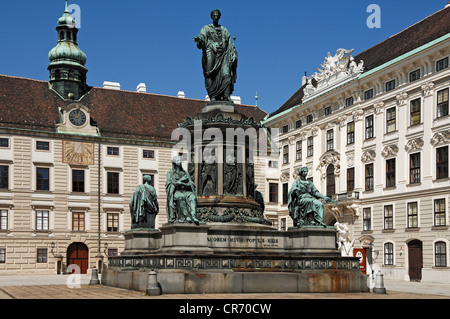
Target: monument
point(216, 239)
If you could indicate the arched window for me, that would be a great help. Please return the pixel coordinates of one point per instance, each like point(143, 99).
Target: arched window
point(61, 36)
point(331, 187)
point(388, 254)
point(440, 254)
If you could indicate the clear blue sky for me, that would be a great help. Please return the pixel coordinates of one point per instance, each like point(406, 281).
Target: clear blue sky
point(151, 41)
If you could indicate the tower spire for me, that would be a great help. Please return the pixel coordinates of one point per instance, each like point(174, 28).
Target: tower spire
point(67, 61)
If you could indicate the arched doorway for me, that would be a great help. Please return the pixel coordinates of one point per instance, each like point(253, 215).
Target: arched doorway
point(78, 254)
point(415, 260)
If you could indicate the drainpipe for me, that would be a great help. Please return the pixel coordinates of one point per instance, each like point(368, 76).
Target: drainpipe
point(99, 253)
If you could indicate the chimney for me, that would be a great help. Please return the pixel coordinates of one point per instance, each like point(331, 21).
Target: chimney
point(111, 85)
point(141, 88)
point(236, 99)
point(181, 95)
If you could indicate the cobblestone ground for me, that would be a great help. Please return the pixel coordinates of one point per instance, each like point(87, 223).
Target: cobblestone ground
point(105, 292)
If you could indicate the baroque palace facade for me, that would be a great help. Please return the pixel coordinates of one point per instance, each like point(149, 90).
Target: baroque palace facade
point(374, 132)
point(71, 157)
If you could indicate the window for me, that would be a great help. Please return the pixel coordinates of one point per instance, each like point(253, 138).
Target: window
point(442, 64)
point(367, 219)
point(3, 219)
point(414, 168)
point(310, 146)
point(113, 252)
point(112, 150)
point(273, 164)
point(331, 181)
point(41, 255)
point(298, 151)
point(440, 254)
point(414, 75)
point(42, 178)
point(327, 110)
point(77, 221)
point(442, 162)
point(42, 220)
point(309, 118)
point(415, 112)
point(2, 255)
point(113, 183)
point(349, 101)
point(369, 177)
point(285, 154)
point(273, 192)
point(439, 212)
point(390, 85)
point(369, 127)
point(351, 133)
point(4, 142)
point(413, 215)
point(330, 140)
point(442, 103)
point(148, 154)
point(298, 124)
point(4, 177)
point(78, 181)
point(285, 129)
point(388, 254)
point(368, 94)
point(388, 217)
point(390, 120)
point(42, 146)
point(350, 179)
point(390, 172)
point(113, 222)
point(283, 223)
point(285, 193)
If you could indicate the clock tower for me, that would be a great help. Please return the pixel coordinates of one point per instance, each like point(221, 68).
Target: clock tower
point(67, 62)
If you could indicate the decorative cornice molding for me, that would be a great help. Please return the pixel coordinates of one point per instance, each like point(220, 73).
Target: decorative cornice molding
point(390, 150)
point(368, 156)
point(440, 138)
point(414, 145)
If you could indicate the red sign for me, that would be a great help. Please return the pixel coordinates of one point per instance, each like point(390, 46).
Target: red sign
point(361, 254)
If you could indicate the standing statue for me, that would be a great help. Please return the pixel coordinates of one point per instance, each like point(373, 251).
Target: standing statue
point(305, 207)
point(144, 205)
point(219, 59)
point(181, 199)
point(231, 176)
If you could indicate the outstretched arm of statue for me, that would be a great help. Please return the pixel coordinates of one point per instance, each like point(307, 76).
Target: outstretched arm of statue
point(199, 41)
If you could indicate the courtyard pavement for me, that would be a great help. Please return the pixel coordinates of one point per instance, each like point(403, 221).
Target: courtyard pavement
point(62, 287)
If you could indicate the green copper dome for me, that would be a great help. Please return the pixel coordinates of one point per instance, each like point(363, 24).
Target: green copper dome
point(67, 50)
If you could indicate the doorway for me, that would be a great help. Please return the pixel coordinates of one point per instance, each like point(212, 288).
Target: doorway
point(415, 260)
point(78, 254)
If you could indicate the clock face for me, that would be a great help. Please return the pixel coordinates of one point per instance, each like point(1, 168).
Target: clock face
point(78, 153)
point(77, 117)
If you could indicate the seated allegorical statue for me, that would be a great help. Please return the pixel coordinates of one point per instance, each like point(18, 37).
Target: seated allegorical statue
point(305, 206)
point(144, 205)
point(181, 198)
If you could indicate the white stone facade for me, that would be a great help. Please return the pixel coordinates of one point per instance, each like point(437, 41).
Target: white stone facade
point(398, 149)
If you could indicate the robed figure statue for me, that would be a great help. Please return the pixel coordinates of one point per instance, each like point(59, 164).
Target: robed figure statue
point(304, 204)
point(219, 59)
point(181, 198)
point(144, 205)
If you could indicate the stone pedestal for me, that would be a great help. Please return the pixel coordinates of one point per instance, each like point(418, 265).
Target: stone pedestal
point(234, 258)
point(185, 239)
